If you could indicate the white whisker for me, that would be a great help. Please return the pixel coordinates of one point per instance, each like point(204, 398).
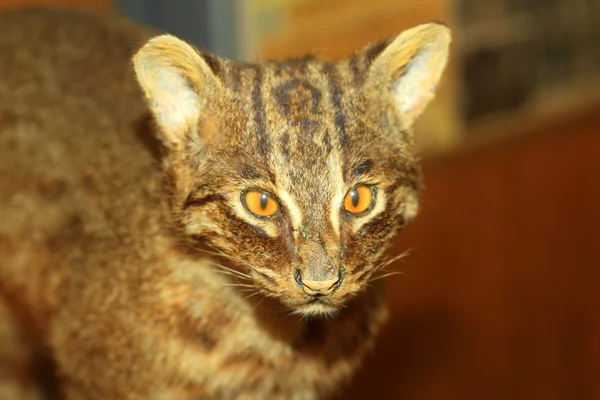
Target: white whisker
point(231, 270)
point(386, 275)
point(253, 294)
point(385, 263)
point(240, 285)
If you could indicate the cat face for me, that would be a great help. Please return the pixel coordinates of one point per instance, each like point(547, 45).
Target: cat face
point(299, 171)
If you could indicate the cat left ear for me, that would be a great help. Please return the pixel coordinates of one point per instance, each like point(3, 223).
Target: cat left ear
point(177, 82)
point(411, 66)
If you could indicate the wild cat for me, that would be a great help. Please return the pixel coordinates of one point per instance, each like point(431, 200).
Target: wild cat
point(180, 226)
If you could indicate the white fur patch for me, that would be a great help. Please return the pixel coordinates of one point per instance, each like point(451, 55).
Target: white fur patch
point(411, 205)
point(337, 181)
point(294, 211)
point(174, 103)
point(417, 85)
point(316, 309)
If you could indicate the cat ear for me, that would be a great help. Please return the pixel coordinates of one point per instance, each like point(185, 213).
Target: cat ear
point(411, 66)
point(177, 82)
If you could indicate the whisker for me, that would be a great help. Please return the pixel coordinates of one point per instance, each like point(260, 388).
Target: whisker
point(400, 256)
point(260, 301)
point(236, 276)
point(386, 275)
point(367, 145)
point(226, 256)
point(236, 272)
point(240, 285)
point(253, 294)
point(224, 272)
point(217, 252)
point(230, 257)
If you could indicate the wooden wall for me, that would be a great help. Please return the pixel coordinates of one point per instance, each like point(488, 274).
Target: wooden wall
point(86, 4)
point(502, 297)
point(339, 27)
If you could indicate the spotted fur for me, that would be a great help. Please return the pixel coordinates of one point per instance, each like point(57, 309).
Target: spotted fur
point(127, 253)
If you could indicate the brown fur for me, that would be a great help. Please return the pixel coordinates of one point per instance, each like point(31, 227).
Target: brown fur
point(126, 254)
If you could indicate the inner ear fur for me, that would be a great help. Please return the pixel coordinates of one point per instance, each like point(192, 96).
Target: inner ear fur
point(410, 68)
point(177, 82)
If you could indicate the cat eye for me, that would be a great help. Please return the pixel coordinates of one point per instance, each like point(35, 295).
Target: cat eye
point(359, 199)
point(260, 204)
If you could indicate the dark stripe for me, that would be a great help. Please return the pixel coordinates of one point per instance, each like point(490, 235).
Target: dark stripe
point(259, 111)
point(192, 201)
point(354, 67)
point(362, 275)
point(362, 168)
point(291, 67)
point(265, 277)
point(240, 226)
point(380, 226)
point(285, 144)
point(213, 63)
point(197, 238)
point(335, 92)
point(235, 76)
point(392, 188)
point(299, 102)
point(359, 268)
point(198, 331)
point(294, 89)
point(249, 172)
point(374, 51)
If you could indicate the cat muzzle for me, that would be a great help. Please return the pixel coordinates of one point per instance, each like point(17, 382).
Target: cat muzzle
point(318, 288)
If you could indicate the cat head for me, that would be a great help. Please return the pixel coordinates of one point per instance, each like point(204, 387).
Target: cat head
point(300, 170)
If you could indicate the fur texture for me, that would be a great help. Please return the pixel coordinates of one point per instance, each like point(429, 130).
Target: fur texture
point(129, 257)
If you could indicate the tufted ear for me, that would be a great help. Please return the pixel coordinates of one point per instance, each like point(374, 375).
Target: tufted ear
point(411, 66)
point(177, 81)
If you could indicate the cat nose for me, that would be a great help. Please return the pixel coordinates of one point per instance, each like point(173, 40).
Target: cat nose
point(318, 287)
point(322, 288)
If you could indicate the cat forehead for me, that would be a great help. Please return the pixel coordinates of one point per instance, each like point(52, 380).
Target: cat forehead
point(302, 110)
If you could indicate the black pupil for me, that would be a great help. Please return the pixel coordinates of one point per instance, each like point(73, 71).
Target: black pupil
point(355, 197)
point(264, 200)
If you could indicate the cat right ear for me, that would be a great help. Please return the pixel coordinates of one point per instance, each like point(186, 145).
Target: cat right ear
point(409, 68)
point(177, 82)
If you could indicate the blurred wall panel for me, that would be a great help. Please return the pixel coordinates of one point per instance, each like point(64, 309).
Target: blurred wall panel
point(86, 4)
point(209, 24)
point(339, 27)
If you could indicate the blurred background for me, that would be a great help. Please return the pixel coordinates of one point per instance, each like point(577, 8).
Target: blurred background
point(502, 294)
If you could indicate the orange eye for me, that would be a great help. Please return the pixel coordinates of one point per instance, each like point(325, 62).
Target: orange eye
point(261, 204)
point(358, 200)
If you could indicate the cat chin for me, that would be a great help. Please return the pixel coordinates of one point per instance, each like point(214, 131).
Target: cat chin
point(317, 310)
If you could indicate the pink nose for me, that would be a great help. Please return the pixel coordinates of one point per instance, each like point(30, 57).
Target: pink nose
point(314, 288)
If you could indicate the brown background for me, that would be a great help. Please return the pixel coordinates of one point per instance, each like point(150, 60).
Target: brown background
point(85, 4)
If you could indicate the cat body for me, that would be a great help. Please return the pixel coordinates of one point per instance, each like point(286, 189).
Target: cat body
point(130, 254)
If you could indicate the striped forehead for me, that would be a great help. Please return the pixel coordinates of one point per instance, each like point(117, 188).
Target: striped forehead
point(291, 102)
point(295, 120)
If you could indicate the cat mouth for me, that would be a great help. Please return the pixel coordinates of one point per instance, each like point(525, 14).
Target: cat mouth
point(317, 307)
